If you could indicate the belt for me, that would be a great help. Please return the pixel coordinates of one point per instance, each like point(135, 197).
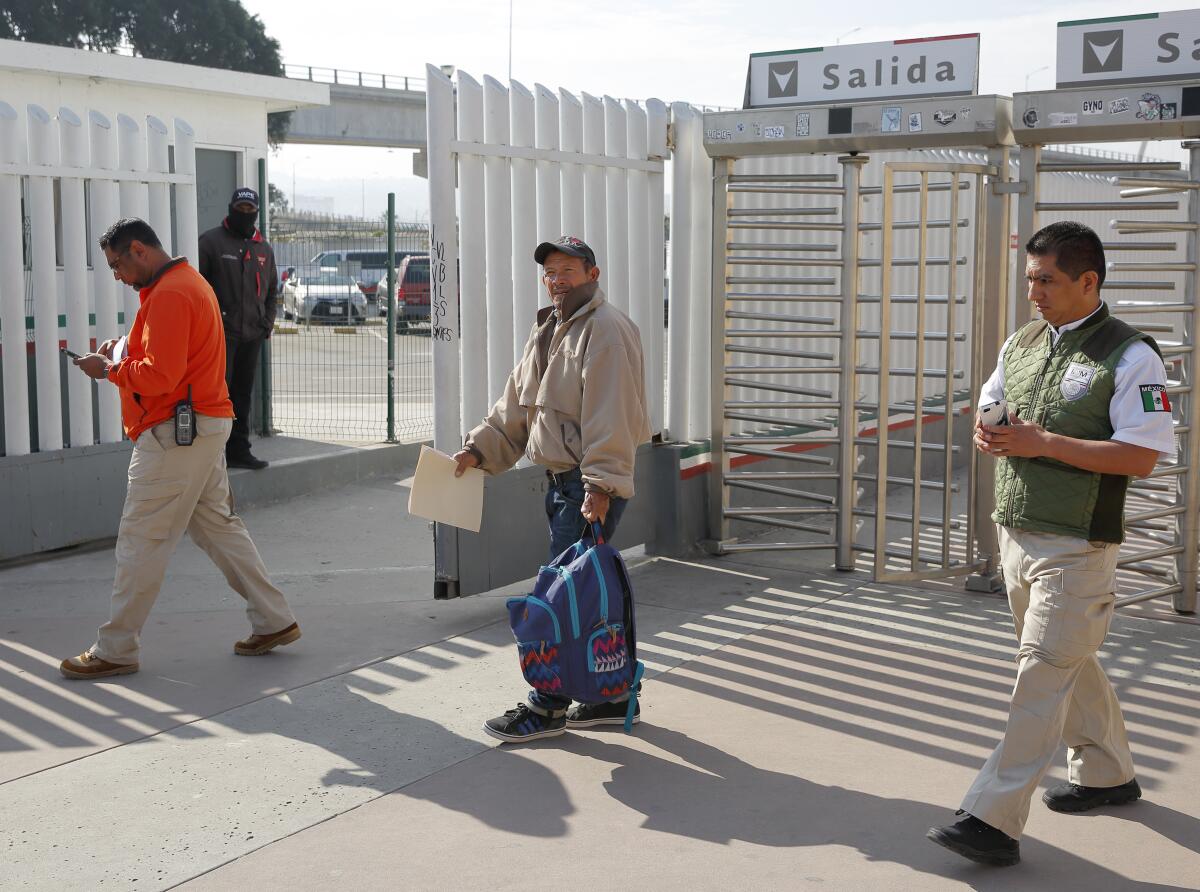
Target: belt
point(562, 478)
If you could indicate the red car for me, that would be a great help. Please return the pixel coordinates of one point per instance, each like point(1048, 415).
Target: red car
point(412, 292)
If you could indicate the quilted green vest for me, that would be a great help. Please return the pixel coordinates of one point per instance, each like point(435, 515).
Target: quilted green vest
point(1066, 389)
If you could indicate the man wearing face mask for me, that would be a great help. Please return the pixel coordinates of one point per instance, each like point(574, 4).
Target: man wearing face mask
point(240, 266)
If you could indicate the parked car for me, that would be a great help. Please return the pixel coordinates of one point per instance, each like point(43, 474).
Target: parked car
point(371, 266)
point(284, 272)
point(412, 292)
point(322, 296)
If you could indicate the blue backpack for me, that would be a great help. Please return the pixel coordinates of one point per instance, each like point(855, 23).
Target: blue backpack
point(575, 633)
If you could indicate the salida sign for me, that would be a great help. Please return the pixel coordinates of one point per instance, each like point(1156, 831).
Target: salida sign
point(928, 66)
point(1143, 48)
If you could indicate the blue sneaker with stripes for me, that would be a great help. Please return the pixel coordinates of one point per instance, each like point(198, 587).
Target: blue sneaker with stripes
point(522, 723)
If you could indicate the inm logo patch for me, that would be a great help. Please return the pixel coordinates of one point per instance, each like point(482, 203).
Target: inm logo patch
point(1103, 51)
point(782, 79)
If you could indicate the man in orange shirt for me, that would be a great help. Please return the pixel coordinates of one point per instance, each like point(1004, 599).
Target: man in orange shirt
point(175, 351)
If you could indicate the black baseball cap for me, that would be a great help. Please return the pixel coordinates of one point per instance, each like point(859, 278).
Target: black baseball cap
point(245, 193)
point(567, 244)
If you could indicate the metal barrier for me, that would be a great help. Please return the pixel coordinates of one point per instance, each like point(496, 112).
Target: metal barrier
point(329, 354)
point(762, 346)
point(1162, 524)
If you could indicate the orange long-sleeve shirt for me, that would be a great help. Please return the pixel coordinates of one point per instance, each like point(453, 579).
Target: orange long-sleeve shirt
point(176, 340)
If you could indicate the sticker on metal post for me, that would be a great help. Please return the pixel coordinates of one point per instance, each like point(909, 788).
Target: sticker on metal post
point(944, 117)
point(1063, 119)
point(1030, 118)
point(889, 121)
point(1119, 106)
point(803, 123)
point(1093, 106)
point(914, 122)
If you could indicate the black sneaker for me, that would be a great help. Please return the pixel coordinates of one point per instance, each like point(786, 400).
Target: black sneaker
point(977, 841)
point(245, 461)
point(521, 724)
point(587, 715)
point(1074, 798)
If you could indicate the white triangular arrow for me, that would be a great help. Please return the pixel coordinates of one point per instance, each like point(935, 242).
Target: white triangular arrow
point(1104, 50)
point(782, 79)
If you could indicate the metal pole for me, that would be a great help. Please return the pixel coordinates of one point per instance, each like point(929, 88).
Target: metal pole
point(1027, 224)
point(885, 359)
point(989, 326)
point(1189, 522)
point(852, 167)
point(264, 356)
point(391, 317)
point(444, 305)
point(718, 526)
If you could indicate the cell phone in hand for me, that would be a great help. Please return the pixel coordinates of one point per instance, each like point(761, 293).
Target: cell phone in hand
point(994, 414)
point(70, 353)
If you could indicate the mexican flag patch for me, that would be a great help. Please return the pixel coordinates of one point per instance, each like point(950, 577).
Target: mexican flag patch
point(1154, 398)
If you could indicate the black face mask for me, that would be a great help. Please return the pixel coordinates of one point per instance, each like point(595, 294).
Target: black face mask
point(242, 222)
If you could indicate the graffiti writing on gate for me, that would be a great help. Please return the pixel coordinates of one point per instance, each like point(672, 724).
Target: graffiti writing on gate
point(438, 306)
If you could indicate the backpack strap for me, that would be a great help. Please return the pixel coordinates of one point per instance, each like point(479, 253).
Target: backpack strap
point(633, 696)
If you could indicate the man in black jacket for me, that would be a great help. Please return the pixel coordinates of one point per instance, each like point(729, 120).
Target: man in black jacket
point(240, 266)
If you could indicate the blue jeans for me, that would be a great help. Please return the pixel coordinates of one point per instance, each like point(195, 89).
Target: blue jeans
point(564, 498)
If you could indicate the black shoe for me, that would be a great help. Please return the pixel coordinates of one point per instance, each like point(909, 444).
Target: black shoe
point(245, 461)
point(1074, 798)
point(522, 724)
point(587, 715)
point(977, 841)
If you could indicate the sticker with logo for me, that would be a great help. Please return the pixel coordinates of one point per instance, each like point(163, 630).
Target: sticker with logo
point(777, 131)
point(1103, 51)
point(1076, 380)
point(1030, 118)
point(944, 117)
point(741, 127)
point(1063, 119)
point(889, 121)
point(915, 125)
point(1154, 398)
point(1149, 107)
point(783, 79)
point(1093, 106)
point(1169, 111)
point(1119, 106)
point(718, 135)
point(803, 123)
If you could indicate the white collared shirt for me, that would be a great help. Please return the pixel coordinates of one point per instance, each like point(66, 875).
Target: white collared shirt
point(1132, 422)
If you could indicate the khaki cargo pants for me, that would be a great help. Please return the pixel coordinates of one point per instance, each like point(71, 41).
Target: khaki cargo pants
point(173, 489)
point(1061, 591)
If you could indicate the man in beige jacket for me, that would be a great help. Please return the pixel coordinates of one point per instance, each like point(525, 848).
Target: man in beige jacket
point(575, 404)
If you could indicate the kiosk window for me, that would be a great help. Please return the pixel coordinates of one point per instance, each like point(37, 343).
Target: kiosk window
point(839, 120)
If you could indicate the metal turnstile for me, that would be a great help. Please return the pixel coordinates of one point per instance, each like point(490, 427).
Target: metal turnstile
point(823, 352)
point(1150, 237)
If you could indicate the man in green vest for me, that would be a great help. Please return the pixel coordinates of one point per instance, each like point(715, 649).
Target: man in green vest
point(1088, 409)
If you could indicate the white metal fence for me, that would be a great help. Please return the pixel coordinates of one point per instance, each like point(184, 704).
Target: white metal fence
point(63, 181)
point(508, 168)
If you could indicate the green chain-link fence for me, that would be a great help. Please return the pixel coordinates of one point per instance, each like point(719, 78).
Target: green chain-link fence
point(329, 351)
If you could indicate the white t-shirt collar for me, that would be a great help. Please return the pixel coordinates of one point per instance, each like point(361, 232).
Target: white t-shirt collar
point(1056, 333)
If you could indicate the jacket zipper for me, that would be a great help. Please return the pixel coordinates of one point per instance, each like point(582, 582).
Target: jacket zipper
point(1037, 390)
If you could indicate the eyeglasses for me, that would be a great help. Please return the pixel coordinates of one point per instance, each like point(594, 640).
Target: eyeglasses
point(551, 276)
point(114, 264)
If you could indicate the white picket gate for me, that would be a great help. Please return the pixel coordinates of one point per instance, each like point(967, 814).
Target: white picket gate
point(97, 176)
point(509, 168)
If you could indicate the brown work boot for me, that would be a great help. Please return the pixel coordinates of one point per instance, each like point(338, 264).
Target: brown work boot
point(88, 665)
point(260, 644)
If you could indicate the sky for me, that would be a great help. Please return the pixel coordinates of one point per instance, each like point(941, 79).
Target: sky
point(694, 51)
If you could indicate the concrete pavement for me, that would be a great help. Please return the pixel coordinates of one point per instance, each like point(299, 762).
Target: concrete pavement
point(801, 728)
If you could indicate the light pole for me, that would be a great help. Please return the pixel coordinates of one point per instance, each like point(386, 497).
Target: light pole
point(1032, 73)
point(847, 34)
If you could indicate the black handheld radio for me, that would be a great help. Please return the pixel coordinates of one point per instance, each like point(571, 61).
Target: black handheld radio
point(185, 421)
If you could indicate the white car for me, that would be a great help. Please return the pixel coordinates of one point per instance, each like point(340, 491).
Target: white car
point(323, 296)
